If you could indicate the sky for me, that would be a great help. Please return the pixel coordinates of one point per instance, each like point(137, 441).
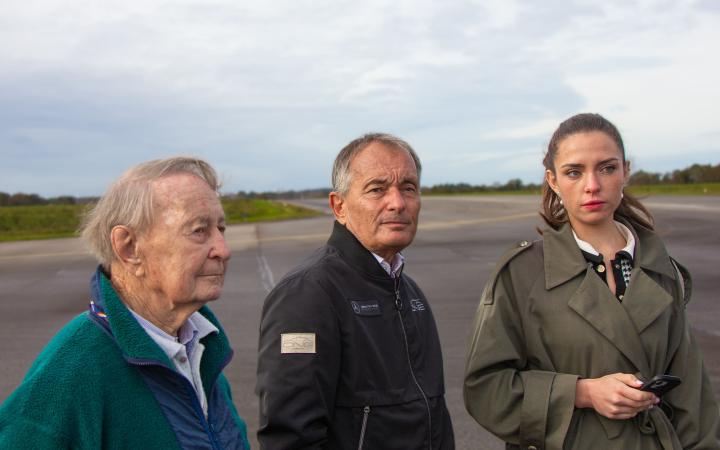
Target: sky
point(269, 92)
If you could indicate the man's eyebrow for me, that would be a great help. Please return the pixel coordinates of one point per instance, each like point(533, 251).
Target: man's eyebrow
point(410, 179)
point(203, 220)
point(376, 180)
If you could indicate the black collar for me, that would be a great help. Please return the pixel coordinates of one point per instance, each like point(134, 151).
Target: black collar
point(355, 254)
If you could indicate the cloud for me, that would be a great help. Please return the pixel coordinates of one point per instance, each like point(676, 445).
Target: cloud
point(270, 91)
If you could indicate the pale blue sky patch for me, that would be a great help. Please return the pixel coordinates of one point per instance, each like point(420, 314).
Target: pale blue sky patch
point(269, 92)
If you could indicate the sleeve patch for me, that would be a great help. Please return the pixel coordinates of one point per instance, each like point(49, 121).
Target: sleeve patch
point(297, 343)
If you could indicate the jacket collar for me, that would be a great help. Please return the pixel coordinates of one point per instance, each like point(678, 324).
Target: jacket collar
point(135, 344)
point(354, 253)
point(564, 259)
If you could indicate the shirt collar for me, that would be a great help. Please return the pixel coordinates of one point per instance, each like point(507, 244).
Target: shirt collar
point(392, 267)
point(194, 329)
point(629, 239)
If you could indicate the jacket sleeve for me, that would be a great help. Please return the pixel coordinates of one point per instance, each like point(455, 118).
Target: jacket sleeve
point(694, 408)
point(519, 405)
point(22, 433)
point(296, 384)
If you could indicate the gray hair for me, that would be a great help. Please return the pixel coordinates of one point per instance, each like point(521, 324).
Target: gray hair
point(341, 167)
point(129, 201)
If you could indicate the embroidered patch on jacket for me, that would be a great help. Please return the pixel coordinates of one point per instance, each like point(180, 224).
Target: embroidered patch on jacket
point(366, 308)
point(297, 343)
point(417, 305)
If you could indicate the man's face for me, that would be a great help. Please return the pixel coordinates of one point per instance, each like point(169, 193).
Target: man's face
point(184, 252)
point(382, 204)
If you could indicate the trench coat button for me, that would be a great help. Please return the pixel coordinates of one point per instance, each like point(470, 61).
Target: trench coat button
point(600, 268)
point(524, 243)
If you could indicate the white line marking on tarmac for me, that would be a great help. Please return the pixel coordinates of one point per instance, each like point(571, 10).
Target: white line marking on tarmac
point(266, 276)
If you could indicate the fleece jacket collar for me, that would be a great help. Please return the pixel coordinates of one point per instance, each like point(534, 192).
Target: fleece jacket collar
point(138, 348)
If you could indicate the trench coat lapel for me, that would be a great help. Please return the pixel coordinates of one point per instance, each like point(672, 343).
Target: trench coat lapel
point(645, 299)
point(593, 301)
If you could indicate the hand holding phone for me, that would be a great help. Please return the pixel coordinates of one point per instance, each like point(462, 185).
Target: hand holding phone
point(660, 384)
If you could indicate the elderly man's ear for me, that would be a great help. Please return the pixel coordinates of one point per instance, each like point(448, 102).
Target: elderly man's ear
point(337, 204)
point(124, 244)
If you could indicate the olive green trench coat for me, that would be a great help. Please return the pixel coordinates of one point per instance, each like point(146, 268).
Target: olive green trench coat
point(546, 319)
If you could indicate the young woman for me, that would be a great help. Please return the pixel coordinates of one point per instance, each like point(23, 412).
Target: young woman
point(570, 326)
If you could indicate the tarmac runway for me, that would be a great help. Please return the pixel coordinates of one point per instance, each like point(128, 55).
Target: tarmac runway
point(45, 283)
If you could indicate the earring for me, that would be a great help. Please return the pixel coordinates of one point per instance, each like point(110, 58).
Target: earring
point(622, 195)
point(558, 196)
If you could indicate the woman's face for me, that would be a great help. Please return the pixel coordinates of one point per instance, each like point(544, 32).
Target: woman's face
point(590, 174)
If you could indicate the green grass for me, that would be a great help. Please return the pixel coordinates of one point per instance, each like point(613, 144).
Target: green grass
point(676, 189)
point(245, 210)
point(19, 223)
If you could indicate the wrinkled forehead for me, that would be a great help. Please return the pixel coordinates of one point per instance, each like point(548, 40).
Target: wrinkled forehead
point(182, 195)
point(378, 159)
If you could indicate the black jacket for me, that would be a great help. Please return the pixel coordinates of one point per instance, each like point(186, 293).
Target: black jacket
point(374, 378)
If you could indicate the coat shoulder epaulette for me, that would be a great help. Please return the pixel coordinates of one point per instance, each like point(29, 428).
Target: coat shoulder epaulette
point(518, 248)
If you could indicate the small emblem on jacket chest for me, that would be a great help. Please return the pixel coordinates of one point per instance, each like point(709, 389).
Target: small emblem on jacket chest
point(366, 307)
point(417, 305)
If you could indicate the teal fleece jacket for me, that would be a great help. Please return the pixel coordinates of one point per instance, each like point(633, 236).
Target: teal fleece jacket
point(102, 382)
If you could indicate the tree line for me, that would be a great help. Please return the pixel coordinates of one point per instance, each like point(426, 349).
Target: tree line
point(697, 173)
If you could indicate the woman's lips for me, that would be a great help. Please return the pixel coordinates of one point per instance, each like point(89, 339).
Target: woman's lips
point(593, 205)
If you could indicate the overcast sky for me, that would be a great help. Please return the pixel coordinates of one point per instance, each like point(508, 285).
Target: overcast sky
point(270, 91)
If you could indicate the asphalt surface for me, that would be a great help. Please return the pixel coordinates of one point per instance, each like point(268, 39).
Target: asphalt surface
point(44, 283)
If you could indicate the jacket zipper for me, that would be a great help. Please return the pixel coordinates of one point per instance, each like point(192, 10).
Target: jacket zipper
point(366, 413)
point(204, 421)
point(399, 306)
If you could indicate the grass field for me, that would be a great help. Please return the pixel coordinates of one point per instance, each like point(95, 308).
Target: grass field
point(57, 221)
point(677, 189)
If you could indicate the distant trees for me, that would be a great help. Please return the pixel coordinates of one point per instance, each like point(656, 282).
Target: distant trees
point(274, 195)
point(23, 199)
point(697, 173)
point(516, 184)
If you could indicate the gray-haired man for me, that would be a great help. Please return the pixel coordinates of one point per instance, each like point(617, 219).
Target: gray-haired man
point(349, 355)
point(142, 368)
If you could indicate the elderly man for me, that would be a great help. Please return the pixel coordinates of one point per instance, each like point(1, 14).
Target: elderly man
point(349, 356)
point(142, 368)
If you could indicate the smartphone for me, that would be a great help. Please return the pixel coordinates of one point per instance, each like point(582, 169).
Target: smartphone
point(661, 384)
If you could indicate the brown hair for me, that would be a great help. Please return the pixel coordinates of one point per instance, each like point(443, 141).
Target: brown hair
point(553, 211)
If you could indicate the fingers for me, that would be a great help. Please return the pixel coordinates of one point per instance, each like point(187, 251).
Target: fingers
point(617, 396)
point(628, 378)
point(634, 393)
